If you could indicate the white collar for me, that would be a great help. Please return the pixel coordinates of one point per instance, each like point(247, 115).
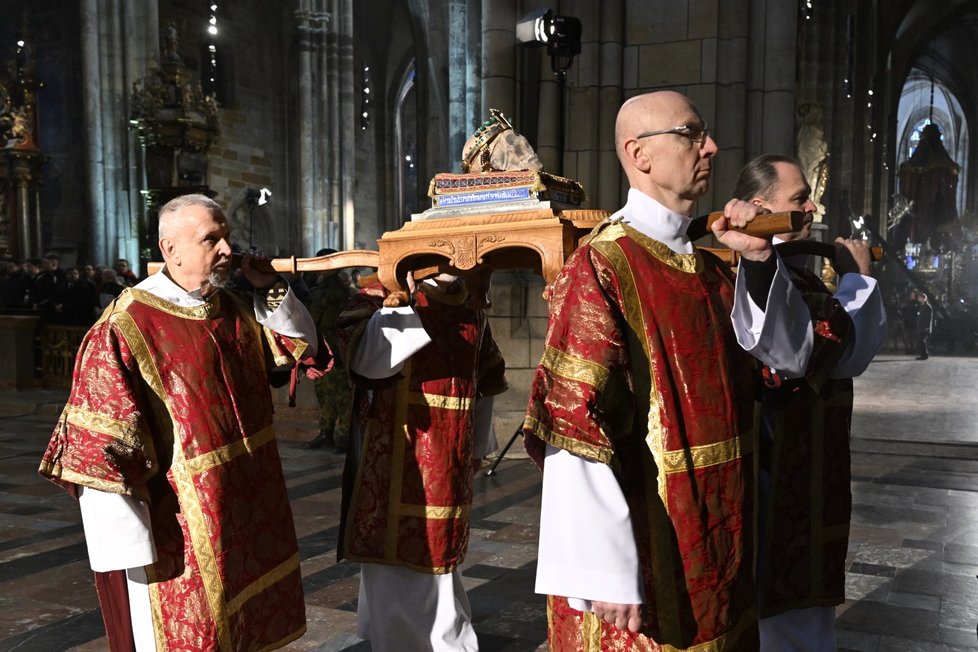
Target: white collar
point(162, 286)
point(649, 217)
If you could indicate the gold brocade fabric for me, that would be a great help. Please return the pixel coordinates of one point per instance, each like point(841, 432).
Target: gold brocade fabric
point(408, 501)
point(642, 371)
point(171, 405)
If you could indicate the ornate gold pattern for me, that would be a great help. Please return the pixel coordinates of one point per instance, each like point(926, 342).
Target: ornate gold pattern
point(492, 238)
point(434, 511)
point(655, 439)
point(699, 457)
point(575, 446)
point(688, 263)
point(273, 576)
point(574, 368)
point(204, 311)
point(439, 401)
point(121, 430)
point(224, 454)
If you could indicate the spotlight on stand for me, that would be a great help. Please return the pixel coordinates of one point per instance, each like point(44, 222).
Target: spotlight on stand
point(562, 36)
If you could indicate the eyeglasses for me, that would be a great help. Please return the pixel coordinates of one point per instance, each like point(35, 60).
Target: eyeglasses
point(695, 133)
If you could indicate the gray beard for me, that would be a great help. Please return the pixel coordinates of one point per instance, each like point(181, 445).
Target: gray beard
point(218, 279)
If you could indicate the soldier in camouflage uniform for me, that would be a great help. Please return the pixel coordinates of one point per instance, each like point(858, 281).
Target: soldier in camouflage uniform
point(326, 301)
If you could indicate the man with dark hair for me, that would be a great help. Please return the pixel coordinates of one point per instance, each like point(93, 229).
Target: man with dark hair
point(641, 410)
point(167, 441)
point(804, 441)
point(126, 274)
point(924, 324)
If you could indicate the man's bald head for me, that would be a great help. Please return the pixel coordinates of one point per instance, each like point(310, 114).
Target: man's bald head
point(643, 113)
point(672, 168)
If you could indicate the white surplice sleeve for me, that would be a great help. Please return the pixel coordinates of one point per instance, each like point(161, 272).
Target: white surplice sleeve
point(781, 335)
point(290, 319)
point(117, 530)
point(587, 547)
point(862, 300)
point(392, 336)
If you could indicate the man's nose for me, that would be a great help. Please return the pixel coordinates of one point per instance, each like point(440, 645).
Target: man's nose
point(223, 247)
point(810, 206)
point(710, 147)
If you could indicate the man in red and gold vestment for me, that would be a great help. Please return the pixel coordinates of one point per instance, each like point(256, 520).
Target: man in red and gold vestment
point(641, 411)
point(167, 440)
point(425, 378)
point(804, 441)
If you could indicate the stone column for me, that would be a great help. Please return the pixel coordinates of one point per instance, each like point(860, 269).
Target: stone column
point(326, 124)
point(119, 43)
point(312, 19)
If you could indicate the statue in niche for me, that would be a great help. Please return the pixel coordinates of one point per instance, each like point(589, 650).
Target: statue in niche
point(497, 147)
point(813, 153)
point(20, 129)
point(171, 43)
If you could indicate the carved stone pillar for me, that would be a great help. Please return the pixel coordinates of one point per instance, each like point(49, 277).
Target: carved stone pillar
point(326, 124)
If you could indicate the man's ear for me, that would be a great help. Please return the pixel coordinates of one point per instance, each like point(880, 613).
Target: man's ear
point(758, 201)
point(168, 249)
point(636, 155)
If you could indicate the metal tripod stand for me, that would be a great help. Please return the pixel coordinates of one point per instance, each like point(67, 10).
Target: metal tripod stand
point(499, 458)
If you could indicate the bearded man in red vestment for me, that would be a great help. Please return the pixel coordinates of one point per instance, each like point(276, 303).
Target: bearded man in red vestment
point(167, 440)
point(641, 411)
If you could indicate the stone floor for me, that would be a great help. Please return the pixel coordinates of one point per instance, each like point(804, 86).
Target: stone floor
point(912, 564)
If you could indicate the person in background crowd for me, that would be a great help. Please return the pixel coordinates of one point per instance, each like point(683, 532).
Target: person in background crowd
point(75, 301)
point(126, 276)
point(924, 325)
point(329, 295)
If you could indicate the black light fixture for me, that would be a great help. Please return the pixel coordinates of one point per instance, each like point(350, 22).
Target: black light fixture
point(562, 36)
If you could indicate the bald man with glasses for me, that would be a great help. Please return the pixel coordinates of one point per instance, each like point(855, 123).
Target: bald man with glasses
point(641, 411)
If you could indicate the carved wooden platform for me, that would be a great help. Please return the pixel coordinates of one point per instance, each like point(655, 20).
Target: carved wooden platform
point(476, 245)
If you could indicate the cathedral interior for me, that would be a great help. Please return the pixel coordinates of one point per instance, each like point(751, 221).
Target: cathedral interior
point(321, 124)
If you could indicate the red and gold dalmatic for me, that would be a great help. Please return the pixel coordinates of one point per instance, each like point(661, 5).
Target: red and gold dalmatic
point(412, 493)
point(642, 372)
point(809, 501)
point(171, 405)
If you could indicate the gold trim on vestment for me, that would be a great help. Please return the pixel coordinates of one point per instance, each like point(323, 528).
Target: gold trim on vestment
point(199, 464)
point(444, 512)
point(270, 578)
point(398, 445)
point(661, 551)
point(140, 351)
point(74, 477)
point(93, 421)
point(440, 401)
point(196, 522)
point(687, 263)
point(632, 309)
point(573, 368)
point(591, 632)
point(577, 447)
point(592, 626)
point(699, 457)
point(197, 526)
point(206, 310)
